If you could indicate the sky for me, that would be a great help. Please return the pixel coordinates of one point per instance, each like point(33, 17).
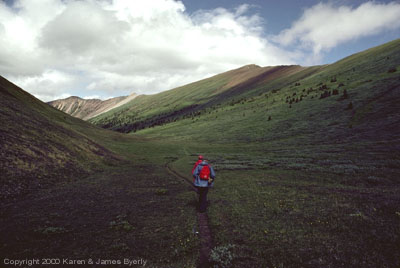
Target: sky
point(106, 48)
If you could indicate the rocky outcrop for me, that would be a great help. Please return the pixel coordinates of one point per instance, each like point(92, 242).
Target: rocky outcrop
point(89, 108)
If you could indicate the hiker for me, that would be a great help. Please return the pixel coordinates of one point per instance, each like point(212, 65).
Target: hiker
point(204, 176)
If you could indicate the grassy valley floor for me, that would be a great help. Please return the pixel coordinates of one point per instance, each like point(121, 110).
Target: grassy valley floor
point(271, 207)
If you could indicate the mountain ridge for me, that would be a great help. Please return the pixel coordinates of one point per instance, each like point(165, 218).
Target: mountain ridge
point(89, 108)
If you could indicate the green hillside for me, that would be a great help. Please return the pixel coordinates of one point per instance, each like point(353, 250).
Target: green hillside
point(313, 104)
point(193, 99)
point(279, 92)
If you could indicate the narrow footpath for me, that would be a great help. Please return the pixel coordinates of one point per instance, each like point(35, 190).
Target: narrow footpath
point(206, 241)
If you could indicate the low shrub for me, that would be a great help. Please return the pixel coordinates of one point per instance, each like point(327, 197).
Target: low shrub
point(222, 256)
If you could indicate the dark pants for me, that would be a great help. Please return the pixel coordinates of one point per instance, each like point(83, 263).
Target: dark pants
point(202, 198)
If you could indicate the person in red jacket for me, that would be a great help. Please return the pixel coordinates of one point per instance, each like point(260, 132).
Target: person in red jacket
point(204, 176)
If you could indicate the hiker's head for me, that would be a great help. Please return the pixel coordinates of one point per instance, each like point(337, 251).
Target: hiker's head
point(200, 157)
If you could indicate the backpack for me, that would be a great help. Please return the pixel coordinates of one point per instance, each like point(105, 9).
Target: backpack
point(196, 164)
point(204, 173)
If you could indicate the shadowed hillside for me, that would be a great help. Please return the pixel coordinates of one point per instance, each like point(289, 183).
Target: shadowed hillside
point(41, 145)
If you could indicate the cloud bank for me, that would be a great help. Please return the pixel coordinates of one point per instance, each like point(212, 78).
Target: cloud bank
point(57, 48)
point(325, 26)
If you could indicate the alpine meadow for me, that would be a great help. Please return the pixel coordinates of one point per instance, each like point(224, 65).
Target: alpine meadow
point(307, 162)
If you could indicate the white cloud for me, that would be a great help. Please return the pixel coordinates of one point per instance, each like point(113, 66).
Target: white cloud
point(325, 26)
point(83, 29)
point(97, 97)
point(19, 28)
point(111, 48)
point(47, 86)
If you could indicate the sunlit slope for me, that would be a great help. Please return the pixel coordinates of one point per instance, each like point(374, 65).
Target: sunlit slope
point(41, 145)
point(355, 98)
point(151, 110)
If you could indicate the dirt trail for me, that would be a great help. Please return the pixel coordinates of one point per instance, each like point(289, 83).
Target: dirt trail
point(206, 241)
point(179, 176)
